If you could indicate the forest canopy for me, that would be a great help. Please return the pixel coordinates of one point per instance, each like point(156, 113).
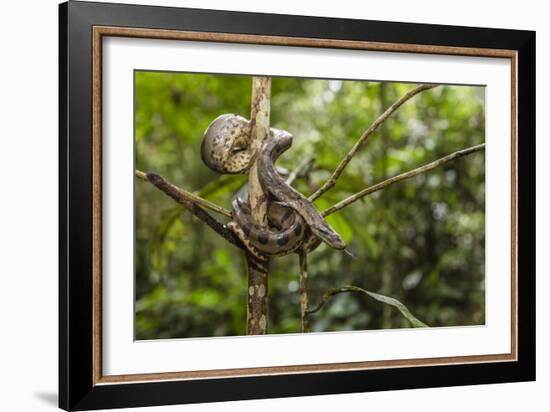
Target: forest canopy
point(421, 241)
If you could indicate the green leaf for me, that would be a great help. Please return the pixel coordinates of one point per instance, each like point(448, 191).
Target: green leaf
point(397, 304)
point(380, 298)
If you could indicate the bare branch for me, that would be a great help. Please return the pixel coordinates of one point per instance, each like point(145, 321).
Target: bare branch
point(406, 175)
point(381, 119)
point(200, 213)
point(304, 299)
point(381, 298)
point(192, 197)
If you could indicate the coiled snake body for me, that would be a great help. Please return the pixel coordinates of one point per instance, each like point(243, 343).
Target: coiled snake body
point(293, 221)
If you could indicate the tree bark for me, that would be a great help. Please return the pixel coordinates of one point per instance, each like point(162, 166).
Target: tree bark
point(257, 271)
point(304, 298)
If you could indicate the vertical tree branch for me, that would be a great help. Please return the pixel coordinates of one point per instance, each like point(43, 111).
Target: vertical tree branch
point(259, 119)
point(256, 309)
point(304, 298)
point(257, 271)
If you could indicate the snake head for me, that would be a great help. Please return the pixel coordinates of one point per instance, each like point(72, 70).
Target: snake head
point(225, 146)
point(329, 236)
point(281, 140)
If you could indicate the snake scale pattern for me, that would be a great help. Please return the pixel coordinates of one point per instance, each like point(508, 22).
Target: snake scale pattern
point(293, 222)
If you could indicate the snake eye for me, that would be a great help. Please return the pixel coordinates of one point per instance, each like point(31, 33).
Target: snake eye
point(237, 149)
point(324, 231)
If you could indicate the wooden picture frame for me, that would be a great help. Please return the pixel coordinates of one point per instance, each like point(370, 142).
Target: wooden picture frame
point(83, 26)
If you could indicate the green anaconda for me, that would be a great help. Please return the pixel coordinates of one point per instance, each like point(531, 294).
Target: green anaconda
point(293, 221)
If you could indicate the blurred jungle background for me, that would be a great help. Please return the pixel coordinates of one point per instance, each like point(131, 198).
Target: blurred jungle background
point(421, 241)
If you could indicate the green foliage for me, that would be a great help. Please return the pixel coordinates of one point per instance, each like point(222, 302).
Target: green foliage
point(420, 241)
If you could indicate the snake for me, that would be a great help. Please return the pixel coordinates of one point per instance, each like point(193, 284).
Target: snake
point(293, 222)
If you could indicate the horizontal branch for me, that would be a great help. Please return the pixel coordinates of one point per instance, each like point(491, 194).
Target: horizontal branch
point(407, 175)
point(193, 197)
point(380, 298)
point(381, 119)
point(175, 193)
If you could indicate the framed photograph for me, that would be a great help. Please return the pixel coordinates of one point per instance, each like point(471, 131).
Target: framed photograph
point(257, 205)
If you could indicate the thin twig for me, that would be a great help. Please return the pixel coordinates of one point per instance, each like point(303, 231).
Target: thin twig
point(172, 191)
point(330, 293)
point(304, 166)
point(406, 175)
point(193, 197)
point(304, 298)
point(380, 298)
point(340, 168)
